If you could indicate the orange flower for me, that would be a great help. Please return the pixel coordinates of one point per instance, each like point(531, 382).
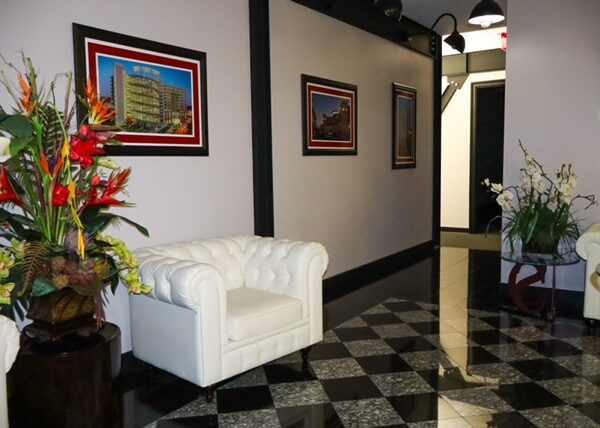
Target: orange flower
point(27, 99)
point(100, 110)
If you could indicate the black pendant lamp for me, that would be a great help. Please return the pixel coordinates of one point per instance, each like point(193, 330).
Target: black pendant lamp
point(486, 13)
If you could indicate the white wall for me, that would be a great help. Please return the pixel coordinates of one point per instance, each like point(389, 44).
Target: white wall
point(357, 206)
point(176, 198)
point(456, 153)
point(553, 97)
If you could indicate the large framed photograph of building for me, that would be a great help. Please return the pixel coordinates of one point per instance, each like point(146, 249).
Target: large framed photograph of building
point(404, 126)
point(158, 91)
point(328, 117)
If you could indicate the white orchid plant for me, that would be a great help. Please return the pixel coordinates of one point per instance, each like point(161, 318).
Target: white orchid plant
point(539, 211)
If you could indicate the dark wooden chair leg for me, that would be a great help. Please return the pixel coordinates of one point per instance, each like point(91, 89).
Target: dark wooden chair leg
point(591, 325)
point(209, 392)
point(304, 352)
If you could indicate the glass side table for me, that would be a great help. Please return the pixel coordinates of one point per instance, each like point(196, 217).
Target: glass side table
point(518, 289)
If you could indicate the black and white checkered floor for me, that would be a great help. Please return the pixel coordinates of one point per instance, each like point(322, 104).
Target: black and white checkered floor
point(410, 364)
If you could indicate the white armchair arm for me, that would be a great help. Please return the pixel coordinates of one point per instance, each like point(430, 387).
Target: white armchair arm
point(197, 287)
point(9, 347)
point(588, 248)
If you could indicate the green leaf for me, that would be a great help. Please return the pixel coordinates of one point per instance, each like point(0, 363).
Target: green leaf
point(17, 144)
point(17, 125)
point(41, 287)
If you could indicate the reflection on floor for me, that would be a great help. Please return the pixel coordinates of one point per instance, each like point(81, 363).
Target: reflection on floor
point(426, 347)
point(478, 241)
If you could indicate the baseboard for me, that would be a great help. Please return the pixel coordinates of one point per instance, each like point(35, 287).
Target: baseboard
point(455, 229)
point(351, 280)
point(569, 303)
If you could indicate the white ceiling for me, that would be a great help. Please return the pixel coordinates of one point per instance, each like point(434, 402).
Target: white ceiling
point(425, 12)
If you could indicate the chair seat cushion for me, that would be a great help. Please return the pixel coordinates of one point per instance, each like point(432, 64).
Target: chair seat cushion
point(252, 312)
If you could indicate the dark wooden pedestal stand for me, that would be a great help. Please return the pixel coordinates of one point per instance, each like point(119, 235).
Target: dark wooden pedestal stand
point(71, 382)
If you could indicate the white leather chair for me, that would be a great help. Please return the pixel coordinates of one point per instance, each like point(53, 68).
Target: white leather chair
point(220, 307)
point(9, 347)
point(588, 248)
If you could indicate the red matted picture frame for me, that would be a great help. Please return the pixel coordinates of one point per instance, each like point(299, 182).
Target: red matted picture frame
point(158, 91)
point(328, 117)
point(404, 131)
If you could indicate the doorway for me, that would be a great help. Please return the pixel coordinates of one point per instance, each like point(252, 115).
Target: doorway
point(487, 153)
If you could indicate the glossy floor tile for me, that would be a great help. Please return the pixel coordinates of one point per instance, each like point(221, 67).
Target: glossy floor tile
point(426, 347)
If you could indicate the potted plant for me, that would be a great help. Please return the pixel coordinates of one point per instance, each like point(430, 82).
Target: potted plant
point(538, 212)
point(56, 189)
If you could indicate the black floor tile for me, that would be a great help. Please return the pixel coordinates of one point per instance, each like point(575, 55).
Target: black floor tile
point(389, 363)
point(504, 321)
point(490, 337)
point(357, 333)
point(474, 354)
point(208, 421)
point(553, 348)
point(402, 306)
point(352, 388)
point(381, 319)
point(242, 399)
point(410, 344)
point(500, 420)
point(591, 410)
point(288, 372)
point(313, 416)
point(416, 408)
point(541, 369)
point(447, 379)
point(427, 327)
point(326, 351)
point(527, 396)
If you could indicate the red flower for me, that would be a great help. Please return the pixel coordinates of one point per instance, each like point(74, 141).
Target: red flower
point(60, 196)
point(7, 192)
point(114, 185)
point(96, 180)
point(86, 145)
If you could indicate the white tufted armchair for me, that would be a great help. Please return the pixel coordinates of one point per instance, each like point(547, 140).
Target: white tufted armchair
point(9, 347)
point(224, 306)
point(588, 248)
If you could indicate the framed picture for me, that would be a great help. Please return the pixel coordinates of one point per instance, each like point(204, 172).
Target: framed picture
point(404, 131)
point(158, 91)
point(328, 117)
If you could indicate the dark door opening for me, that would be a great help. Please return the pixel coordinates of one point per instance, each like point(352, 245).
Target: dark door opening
point(487, 153)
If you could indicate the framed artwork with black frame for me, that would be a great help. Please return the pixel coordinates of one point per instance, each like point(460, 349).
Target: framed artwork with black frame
point(404, 128)
point(158, 91)
point(328, 117)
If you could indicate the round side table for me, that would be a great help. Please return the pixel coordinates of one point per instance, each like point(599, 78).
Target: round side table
point(71, 382)
point(518, 288)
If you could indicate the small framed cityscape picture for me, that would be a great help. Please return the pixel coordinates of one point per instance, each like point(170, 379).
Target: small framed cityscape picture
point(328, 117)
point(158, 92)
point(404, 130)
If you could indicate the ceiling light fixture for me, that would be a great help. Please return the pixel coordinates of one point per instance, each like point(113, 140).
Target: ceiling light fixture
point(486, 13)
point(455, 39)
point(392, 8)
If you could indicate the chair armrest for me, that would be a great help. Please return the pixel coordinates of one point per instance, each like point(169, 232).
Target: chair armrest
point(588, 244)
point(196, 286)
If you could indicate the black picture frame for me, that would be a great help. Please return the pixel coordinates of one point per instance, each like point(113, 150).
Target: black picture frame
point(168, 115)
point(404, 126)
point(339, 100)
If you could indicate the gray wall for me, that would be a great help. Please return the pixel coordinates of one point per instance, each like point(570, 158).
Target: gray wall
point(176, 198)
point(357, 206)
point(553, 97)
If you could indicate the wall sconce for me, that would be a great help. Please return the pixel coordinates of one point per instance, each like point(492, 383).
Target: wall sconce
point(455, 39)
point(486, 13)
point(392, 8)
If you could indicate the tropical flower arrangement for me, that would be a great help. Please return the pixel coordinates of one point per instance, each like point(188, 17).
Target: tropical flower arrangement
point(538, 212)
point(56, 187)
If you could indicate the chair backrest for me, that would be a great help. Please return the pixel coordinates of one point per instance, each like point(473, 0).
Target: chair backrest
point(225, 254)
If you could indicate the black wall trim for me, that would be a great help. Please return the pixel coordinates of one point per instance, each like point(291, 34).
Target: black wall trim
point(260, 89)
point(455, 229)
point(437, 143)
point(351, 280)
point(569, 303)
